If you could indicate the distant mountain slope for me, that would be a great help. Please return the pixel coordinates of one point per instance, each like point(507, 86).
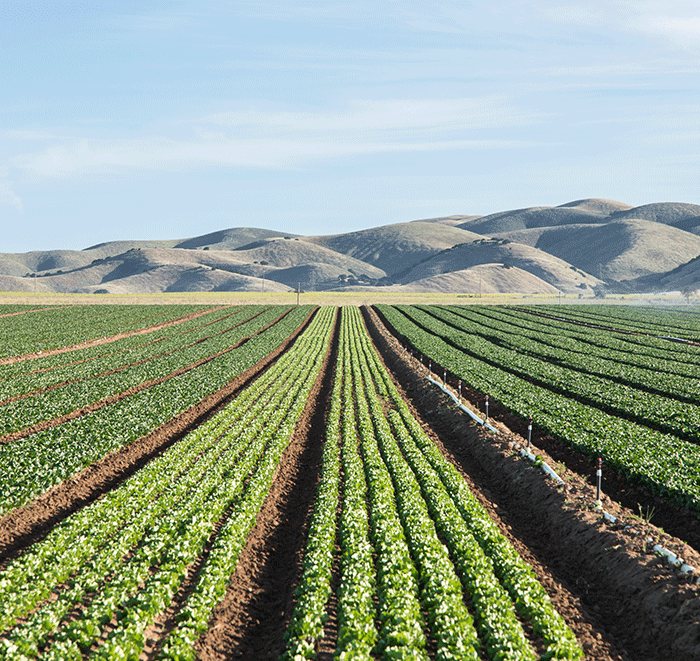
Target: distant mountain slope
point(447, 220)
point(286, 262)
point(485, 279)
point(179, 278)
point(686, 276)
point(286, 253)
point(19, 264)
point(668, 213)
point(588, 211)
point(230, 239)
point(552, 270)
point(395, 248)
point(597, 205)
point(617, 250)
point(522, 219)
point(111, 248)
point(535, 249)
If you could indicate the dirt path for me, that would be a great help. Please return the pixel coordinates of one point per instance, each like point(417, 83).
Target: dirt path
point(105, 340)
point(621, 599)
point(26, 525)
point(145, 385)
point(251, 620)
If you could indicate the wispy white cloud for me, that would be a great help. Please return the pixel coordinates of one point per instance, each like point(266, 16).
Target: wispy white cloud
point(274, 139)
point(420, 116)
point(675, 21)
point(9, 197)
point(167, 155)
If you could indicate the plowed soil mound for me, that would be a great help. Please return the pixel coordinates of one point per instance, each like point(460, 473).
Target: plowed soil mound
point(621, 599)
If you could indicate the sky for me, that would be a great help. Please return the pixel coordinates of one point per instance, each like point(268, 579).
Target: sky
point(164, 119)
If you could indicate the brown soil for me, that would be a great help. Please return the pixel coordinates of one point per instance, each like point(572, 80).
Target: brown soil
point(620, 598)
point(675, 519)
point(26, 525)
point(112, 399)
point(106, 340)
point(251, 620)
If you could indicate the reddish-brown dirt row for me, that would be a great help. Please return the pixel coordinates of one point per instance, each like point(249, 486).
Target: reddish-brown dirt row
point(112, 399)
point(251, 620)
point(26, 525)
point(675, 519)
point(619, 597)
point(106, 340)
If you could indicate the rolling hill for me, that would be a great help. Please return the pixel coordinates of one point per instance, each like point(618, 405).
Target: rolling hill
point(395, 248)
point(503, 253)
point(619, 250)
point(579, 246)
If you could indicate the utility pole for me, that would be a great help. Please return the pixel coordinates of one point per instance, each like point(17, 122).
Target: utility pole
point(298, 291)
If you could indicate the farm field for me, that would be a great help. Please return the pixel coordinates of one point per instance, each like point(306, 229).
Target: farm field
point(268, 481)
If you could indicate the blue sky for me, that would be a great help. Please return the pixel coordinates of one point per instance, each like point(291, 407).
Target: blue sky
point(170, 118)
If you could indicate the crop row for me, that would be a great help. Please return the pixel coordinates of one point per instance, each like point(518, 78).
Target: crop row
point(47, 370)
point(404, 505)
point(54, 327)
point(625, 350)
point(10, 308)
point(81, 386)
point(587, 379)
point(121, 561)
point(665, 322)
point(33, 464)
point(665, 463)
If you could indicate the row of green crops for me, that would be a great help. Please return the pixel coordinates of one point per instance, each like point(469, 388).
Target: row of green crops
point(414, 544)
point(33, 464)
point(626, 351)
point(55, 327)
point(122, 559)
point(665, 463)
point(652, 321)
point(13, 308)
point(86, 383)
point(595, 382)
point(40, 371)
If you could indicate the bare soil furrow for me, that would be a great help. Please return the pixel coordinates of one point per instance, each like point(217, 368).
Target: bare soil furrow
point(621, 600)
point(251, 620)
point(106, 340)
point(25, 525)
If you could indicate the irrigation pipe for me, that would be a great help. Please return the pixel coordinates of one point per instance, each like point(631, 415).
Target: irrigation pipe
point(543, 465)
point(469, 412)
point(672, 558)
